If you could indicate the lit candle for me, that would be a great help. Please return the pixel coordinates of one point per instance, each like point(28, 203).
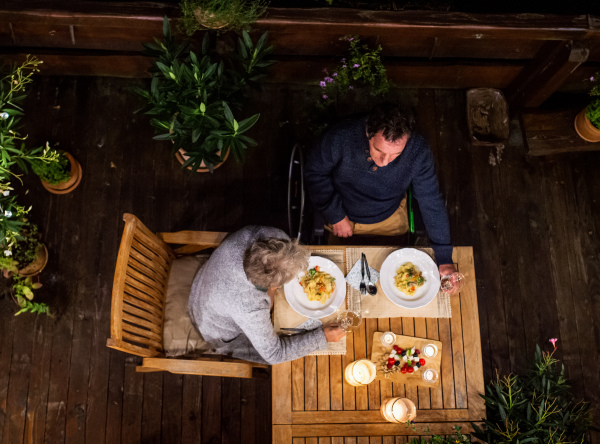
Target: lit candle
point(430, 350)
point(430, 375)
point(361, 372)
point(388, 339)
point(394, 410)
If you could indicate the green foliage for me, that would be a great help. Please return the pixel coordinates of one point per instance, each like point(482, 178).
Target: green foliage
point(361, 68)
point(27, 248)
point(53, 167)
point(535, 408)
point(23, 288)
point(222, 15)
point(592, 111)
point(455, 438)
point(192, 96)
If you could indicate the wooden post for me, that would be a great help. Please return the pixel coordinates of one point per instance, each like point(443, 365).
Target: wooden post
point(546, 73)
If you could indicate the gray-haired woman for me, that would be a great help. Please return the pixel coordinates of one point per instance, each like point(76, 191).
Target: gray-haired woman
point(233, 292)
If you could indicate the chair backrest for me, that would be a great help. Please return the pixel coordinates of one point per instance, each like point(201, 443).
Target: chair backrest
point(139, 288)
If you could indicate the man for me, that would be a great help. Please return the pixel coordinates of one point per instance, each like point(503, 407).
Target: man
point(358, 174)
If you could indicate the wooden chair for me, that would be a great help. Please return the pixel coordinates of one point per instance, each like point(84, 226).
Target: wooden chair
point(138, 300)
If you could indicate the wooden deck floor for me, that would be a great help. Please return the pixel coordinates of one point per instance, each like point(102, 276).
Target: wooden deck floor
point(534, 224)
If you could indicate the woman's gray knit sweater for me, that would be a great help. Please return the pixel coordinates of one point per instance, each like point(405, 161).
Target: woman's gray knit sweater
point(234, 316)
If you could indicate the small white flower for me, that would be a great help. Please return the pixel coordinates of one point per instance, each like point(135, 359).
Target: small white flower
point(7, 253)
point(6, 193)
point(8, 213)
point(4, 116)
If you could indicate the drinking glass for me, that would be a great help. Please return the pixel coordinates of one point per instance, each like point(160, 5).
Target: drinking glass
point(451, 283)
point(349, 321)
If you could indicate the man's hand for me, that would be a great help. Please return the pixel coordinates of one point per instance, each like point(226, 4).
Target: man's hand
point(333, 332)
point(446, 269)
point(343, 228)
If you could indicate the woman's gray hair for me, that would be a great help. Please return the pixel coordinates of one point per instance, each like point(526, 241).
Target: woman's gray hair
point(272, 262)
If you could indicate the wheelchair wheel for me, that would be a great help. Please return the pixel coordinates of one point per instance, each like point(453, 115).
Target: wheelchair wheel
point(295, 199)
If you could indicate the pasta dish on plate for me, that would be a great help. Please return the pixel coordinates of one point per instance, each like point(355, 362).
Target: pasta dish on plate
point(408, 279)
point(318, 285)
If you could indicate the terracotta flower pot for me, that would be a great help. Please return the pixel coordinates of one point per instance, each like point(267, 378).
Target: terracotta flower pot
point(205, 16)
point(68, 186)
point(181, 156)
point(38, 264)
point(585, 129)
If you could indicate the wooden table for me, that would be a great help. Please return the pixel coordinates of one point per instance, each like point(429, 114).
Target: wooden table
point(313, 404)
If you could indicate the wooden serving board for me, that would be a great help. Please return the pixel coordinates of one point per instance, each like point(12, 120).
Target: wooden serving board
point(380, 352)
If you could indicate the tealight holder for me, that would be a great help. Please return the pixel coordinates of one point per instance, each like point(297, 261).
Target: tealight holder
point(430, 350)
point(398, 410)
point(388, 339)
point(361, 372)
point(430, 375)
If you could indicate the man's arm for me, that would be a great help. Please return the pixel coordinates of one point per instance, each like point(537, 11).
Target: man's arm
point(318, 174)
point(433, 209)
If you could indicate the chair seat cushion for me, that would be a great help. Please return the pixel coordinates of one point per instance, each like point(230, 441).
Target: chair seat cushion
point(180, 336)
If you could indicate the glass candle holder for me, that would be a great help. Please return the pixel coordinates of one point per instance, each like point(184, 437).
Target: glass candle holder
point(394, 410)
point(388, 339)
point(361, 372)
point(430, 375)
point(398, 410)
point(430, 350)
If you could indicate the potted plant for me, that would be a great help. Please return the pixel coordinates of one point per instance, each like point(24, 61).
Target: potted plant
point(537, 407)
point(58, 171)
point(360, 70)
point(24, 253)
point(222, 15)
point(22, 293)
point(587, 122)
point(191, 98)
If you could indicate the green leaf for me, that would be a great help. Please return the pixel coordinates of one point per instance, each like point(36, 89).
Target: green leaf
point(248, 123)
point(166, 28)
point(235, 125)
point(247, 40)
point(227, 112)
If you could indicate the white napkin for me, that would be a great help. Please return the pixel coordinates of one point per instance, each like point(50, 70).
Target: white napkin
point(353, 278)
point(311, 324)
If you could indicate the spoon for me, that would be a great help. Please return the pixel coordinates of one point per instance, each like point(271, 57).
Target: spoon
point(371, 288)
point(362, 286)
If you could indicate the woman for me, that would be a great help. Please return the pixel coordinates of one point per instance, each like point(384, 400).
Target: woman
point(232, 296)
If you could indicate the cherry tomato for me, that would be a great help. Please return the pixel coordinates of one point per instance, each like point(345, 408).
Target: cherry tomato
point(391, 361)
point(417, 352)
point(389, 365)
point(398, 349)
point(411, 370)
point(422, 361)
point(403, 370)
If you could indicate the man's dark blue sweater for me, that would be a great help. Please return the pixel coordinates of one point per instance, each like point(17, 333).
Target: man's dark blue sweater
point(343, 181)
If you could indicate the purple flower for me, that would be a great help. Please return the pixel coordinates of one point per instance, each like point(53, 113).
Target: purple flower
point(328, 79)
point(325, 96)
point(343, 66)
point(592, 79)
point(356, 65)
point(350, 87)
point(553, 341)
point(343, 60)
point(322, 83)
point(350, 39)
point(334, 74)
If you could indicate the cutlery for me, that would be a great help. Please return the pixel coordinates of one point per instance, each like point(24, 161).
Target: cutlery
point(298, 330)
point(362, 286)
point(371, 288)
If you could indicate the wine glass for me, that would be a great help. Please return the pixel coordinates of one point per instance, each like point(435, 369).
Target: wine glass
point(349, 320)
point(451, 283)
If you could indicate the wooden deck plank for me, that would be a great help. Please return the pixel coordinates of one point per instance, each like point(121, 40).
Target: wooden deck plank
point(348, 391)
point(423, 393)
point(336, 381)
point(373, 389)
point(133, 396)
point(398, 389)
point(385, 387)
point(310, 383)
point(323, 390)
point(211, 408)
point(408, 329)
point(231, 423)
point(360, 352)
point(298, 385)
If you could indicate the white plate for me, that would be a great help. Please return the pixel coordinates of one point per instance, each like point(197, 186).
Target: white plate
point(425, 294)
point(294, 293)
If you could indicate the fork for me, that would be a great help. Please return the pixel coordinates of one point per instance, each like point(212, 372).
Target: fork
point(362, 286)
point(371, 288)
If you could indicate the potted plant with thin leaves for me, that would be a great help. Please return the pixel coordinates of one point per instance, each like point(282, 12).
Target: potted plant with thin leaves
point(222, 15)
point(61, 175)
point(587, 122)
point(193, 97)
point(537, 407)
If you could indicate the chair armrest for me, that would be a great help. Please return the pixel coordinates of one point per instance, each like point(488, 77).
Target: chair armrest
point(197, 367)
point(193, 241)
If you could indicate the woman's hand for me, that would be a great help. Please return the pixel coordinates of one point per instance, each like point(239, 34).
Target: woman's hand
point(333, 332)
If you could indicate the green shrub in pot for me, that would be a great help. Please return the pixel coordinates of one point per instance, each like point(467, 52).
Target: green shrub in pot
point(193, 97)
point(222, 15)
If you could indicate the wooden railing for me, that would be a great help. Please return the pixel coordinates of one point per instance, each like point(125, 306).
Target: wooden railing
point(421, 49)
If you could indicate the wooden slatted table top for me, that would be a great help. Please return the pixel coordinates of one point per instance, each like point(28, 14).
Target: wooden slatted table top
point(311, 398)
